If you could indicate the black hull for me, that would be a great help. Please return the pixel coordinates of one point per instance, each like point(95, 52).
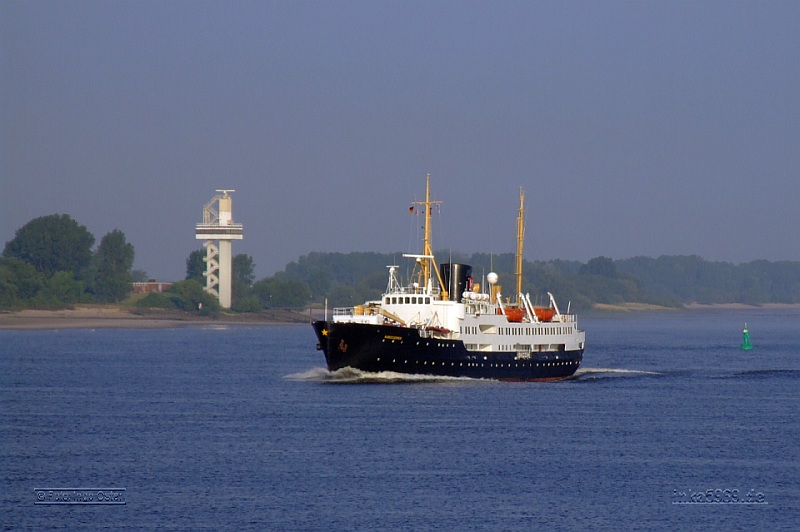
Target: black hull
point(377, 348)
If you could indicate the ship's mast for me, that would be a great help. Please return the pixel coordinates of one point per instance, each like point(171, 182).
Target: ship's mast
point(520, 240)
point(427, 261)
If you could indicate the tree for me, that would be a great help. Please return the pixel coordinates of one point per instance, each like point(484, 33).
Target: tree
point(112, 272)
point(62, 288)
point(345, 296)
point(196, 266)
point(243, 266)
point(8, 288)
point(242, 278)
point(282, 293)
point(23, 282)
point(192, 297)
point(51, 244)
point(602, 266)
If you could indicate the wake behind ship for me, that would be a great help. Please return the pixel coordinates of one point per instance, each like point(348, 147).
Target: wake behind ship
point(442, 323)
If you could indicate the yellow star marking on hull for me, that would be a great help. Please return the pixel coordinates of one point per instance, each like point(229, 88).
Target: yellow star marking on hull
point(324, 332)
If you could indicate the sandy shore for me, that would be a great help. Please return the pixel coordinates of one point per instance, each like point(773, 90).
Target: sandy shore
point(630, 307)
point(742, 306)
point(119, 317)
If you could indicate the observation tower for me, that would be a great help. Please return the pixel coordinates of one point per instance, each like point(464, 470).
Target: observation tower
point(218, 226)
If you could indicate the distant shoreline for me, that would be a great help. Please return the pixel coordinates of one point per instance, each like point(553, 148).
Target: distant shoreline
point(742, 306)
point(644, 307)
point(122, 317)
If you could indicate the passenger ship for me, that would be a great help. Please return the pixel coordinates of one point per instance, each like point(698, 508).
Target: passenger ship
point(443, 324)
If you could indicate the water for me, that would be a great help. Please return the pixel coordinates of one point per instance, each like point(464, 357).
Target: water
point(240, 427)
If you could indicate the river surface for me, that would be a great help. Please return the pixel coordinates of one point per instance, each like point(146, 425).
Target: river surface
point(667, 425)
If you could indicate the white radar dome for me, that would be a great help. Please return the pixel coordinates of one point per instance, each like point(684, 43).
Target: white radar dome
point(492, 278)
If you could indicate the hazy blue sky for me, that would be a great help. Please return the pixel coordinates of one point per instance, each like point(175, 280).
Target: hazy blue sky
point(636, 127)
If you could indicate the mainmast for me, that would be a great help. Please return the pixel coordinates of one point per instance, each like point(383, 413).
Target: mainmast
point(427, 259)
point(520, 240)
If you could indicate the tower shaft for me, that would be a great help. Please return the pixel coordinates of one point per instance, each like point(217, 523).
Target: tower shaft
point(225, 273)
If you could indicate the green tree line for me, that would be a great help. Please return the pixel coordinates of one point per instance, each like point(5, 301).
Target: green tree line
point(346, 279)
point(50, 263)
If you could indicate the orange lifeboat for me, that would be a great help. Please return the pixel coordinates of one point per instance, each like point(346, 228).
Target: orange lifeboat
point(544, 313)
point(515, 314)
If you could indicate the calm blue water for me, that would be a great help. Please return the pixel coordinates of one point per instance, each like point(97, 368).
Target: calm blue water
point(239, 427)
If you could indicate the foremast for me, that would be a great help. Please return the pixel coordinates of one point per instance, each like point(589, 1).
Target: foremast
point(520, 243)
point(427, 260)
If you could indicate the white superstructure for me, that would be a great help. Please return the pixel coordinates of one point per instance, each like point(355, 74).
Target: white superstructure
point(481, 324)
point(478, 319)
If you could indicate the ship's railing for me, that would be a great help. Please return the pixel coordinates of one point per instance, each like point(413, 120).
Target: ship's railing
point(410, 290)
point(358, 310)
point(479, 307)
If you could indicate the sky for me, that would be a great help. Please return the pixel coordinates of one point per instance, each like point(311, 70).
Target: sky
point(635, 128)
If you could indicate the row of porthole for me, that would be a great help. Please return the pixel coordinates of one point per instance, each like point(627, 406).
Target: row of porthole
point(544, 364)
point(439, 345)
point(475, 364)
point(426, 343)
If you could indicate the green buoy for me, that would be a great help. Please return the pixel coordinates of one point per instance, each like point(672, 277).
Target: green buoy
point(746, 345)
